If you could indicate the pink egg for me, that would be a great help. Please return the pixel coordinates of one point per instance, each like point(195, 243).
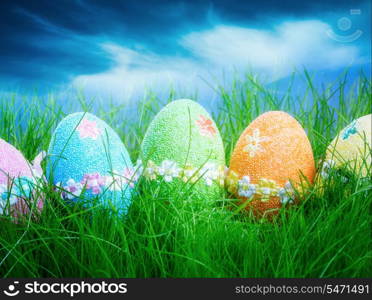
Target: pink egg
point(18, 181)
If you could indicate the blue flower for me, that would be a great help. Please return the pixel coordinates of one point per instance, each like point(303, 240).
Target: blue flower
point(20, 187)
point(349, 130)
point(6, 198)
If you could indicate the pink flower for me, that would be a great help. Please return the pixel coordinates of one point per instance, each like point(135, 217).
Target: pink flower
point(96, 190)
point(72, 189)
point(93, 182)
point(89, 129)
point(206, 126)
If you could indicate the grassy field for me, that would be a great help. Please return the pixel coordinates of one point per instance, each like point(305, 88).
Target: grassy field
point(324, 236)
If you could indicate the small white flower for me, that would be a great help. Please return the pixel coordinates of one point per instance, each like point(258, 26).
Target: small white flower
point(208, 181)
point(284, 198)
point(326, 168)
point(286, 194)
point(169, 170)
point(150, 172)
point(266, 191)
point(209, 172)
point(244, 181)
point(245, 188)
point(189, 172)
point(114, 182)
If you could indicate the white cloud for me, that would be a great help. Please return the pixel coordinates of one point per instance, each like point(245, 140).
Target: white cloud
point(273, 54)
point(135, 71)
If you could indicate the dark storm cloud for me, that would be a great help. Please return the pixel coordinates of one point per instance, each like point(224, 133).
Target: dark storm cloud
point(50, 42)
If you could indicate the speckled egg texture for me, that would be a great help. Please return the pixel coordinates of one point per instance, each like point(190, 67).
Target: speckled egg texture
point(272, 154)
point(17, 183)
point(183, 146)
point(89, 163)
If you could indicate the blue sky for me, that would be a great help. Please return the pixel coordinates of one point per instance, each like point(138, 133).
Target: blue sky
point(120, 48)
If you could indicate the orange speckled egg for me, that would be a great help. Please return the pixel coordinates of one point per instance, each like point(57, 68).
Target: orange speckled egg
point(272, 154)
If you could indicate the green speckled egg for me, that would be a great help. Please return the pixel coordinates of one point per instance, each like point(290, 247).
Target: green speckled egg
point(183, 146)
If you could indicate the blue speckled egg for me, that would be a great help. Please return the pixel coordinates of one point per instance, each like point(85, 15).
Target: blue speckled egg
point(88, 162)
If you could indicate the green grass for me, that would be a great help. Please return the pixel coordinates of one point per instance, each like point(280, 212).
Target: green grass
point(174, 235)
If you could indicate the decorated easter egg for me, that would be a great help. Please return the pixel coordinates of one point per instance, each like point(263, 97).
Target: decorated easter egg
point(18, 183)
point(89, 163)
point(183, 146)
point(351, 148)
point(271, 156)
